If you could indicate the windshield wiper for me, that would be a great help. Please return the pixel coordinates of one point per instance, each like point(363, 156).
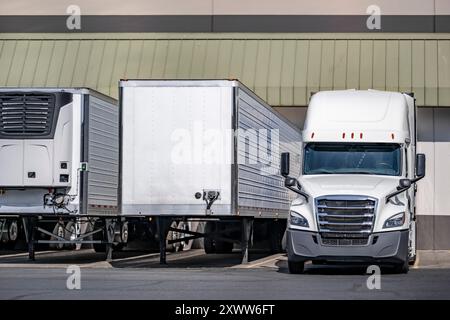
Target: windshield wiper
point(321, 172)
point(361, 172)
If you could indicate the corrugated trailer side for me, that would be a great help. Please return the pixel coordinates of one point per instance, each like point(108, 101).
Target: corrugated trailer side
point(228, 192)
point(100, 182)
point(260, 188)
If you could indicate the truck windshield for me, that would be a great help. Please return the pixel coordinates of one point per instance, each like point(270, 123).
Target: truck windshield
point(352, 158)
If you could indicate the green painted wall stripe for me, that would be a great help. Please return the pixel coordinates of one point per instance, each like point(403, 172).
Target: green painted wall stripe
point(284, 72)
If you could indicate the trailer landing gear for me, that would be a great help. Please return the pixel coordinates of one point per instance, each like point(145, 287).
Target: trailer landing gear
point(30, 227)
point(163, 230)
point(247, 238)
point(106, 235)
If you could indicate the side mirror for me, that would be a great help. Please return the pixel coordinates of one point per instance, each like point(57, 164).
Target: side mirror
point(293, 185)
point(284, 164)
point(420, 165)
point(290, 182)
point(404, 184)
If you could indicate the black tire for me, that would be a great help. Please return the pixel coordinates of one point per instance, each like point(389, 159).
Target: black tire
point(402, 268)
point(118, 246)
point(69, 232)
point(296, 267)
point(13, 235)
point(59, 230)
point(224, 247)
point(10, 245)
point(208, 243)
point(276, 232)
point(172, 235)
point(412, 260)
point(99, 247)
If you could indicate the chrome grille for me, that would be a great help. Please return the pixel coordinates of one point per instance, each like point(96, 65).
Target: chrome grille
point(26, 114)
point(345, 220)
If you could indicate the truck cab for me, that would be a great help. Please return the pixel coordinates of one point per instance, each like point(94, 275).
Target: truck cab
point(356, 189)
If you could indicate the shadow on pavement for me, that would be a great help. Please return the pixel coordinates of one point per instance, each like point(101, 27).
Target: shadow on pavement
point(127, 259)
point(333, 269)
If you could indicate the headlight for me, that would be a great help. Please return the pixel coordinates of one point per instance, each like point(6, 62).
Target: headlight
point(395, 221)
point(297, 219)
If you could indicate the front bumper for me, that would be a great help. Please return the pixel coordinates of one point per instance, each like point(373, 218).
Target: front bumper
point(383, 247)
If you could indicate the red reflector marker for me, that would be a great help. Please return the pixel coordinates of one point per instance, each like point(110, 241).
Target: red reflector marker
point(353, 135)
point(392, 136)
point(312, 135)
point(360, 135)
point(343, 135)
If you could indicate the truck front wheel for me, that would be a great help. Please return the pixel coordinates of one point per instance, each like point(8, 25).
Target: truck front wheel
point(402, 267)
point(296, 267)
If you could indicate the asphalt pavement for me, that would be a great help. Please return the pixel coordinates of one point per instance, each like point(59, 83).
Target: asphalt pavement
point(194, 275)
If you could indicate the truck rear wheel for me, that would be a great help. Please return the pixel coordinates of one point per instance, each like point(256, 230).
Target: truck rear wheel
point(208, 242)
point(296, 267)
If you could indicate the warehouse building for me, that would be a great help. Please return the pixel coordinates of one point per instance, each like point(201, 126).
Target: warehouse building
point(283, 50)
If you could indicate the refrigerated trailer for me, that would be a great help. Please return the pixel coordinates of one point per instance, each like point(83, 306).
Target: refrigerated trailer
point(59, 165)
point(356, 191)
point(204, 150)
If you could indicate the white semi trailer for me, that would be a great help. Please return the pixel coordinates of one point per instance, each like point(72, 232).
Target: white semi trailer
point(59, 162)
point(357, 187)
point(194, 150)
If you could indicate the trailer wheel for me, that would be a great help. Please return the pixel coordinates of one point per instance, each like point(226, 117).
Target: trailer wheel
point(12, 234)
point(224, 247)
point(174, 235)
point(186, 245)
point(208, 242)
point(70, 234)
point(220, 245)
point(99, 236)
point(60, 231)
point(296, 267)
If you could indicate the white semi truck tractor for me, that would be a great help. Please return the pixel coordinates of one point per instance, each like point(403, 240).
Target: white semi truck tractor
point(356, 189)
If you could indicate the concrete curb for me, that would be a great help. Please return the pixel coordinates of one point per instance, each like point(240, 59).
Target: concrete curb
point(433, 259)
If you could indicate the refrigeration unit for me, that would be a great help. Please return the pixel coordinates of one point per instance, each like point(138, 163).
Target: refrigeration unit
point(59, 166)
